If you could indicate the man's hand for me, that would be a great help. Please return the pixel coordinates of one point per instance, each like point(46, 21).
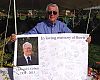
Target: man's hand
point(88, 39)
point(13, 37)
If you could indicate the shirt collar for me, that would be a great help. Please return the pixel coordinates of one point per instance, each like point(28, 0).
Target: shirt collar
point(27, 56)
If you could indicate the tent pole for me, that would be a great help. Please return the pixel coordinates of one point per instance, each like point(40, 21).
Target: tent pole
point(73, 18)
point(15, 17)
point(4, 43)
point(88, 21)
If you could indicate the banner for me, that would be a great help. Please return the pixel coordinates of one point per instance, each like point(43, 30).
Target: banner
point(60, 57)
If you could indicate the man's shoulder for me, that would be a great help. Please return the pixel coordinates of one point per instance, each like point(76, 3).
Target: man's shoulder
point(21, 57)
point(35, 60)
point(60, 22)
point(41, 23)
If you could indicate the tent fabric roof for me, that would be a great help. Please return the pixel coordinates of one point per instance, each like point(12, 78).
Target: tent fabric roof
point(41, 4)
point(75, 4)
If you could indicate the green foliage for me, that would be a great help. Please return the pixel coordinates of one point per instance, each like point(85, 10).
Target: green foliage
point(7, 59)
point(94, 54)
point(4, 61)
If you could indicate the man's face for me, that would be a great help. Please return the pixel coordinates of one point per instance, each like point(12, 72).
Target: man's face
point(27, 50)
point(52, 13)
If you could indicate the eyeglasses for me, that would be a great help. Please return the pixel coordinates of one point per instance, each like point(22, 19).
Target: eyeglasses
point(52, 12)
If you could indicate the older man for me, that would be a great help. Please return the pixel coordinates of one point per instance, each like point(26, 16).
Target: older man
point(51, 25)
point(27, 58)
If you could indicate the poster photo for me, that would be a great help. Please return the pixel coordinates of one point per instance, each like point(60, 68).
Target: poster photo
point(26, 60)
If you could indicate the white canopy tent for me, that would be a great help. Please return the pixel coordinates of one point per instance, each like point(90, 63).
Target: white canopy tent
point(41, 4)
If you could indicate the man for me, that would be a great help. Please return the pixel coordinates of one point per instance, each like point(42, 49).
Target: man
point(27, 58)
point(51, 25)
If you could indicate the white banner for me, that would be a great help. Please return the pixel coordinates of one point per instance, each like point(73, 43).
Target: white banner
point(61, 57)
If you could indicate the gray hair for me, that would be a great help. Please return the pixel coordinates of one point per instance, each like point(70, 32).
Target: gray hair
point(27, 43)
point(54, 5)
